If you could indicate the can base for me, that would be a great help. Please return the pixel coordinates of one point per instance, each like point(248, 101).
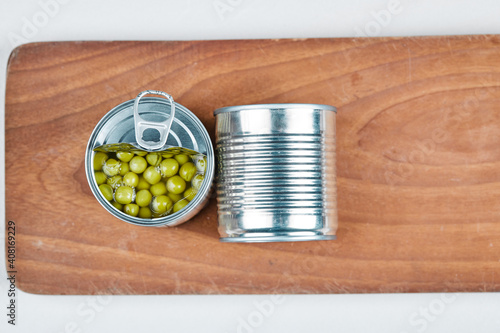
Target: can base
point(275, 238)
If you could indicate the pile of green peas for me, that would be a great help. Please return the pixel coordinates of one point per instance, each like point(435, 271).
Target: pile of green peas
point(148, 185)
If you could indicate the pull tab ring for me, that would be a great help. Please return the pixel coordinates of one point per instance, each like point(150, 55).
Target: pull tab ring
point(163, 127)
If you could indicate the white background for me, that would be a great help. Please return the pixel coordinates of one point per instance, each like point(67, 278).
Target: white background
point(238, 19)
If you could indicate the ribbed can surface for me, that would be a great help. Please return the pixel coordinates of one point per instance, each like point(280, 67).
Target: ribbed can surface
point(276, 175)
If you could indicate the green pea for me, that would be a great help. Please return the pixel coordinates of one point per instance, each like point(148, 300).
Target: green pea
point(190, 193)
point(153, 159)
point(161, 204)
point(143, 184)
point(143, 198)
point(124, 169)
point(124, 195)
point(175, 197)
point(131, 179)
point(140, 152)
point(131, 209)
point(187, 171)
point(106, 191)
point(111, 167)
point(181, 158)
point(197, 181)
point(114, 182)
point(180, 205)
point(100, 177)
point(117, 205)
point(138, 164)
point(201, 164)
point(145, 213)
point(99, 159)
point(169, 167)
point(124, 156)
point(158, 189)
point(176, 185)
point(152, 175)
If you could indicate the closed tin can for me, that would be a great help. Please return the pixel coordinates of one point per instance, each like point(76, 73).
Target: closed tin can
point(156, 114)
point(276, 174)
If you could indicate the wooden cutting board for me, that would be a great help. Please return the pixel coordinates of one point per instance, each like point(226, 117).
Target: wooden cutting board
point(418, 158)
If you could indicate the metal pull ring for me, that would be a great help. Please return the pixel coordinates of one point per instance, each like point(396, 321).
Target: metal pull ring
point(162, 127)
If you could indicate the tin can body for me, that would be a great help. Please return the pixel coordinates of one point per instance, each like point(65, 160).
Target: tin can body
point(276, 173)
point(186, 131)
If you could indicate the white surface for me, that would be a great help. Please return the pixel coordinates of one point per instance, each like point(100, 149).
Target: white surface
point(238, 19)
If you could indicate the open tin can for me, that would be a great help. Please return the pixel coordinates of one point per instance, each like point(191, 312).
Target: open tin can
point(276, 174)
point(153, 124)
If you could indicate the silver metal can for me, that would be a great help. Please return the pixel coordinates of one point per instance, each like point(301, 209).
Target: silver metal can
point(184, 130)
point(276, 174)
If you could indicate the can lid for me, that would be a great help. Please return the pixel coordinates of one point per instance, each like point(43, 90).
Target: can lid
point(276, 106)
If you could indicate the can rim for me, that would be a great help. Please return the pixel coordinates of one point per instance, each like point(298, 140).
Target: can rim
point(275, 106)
point(274, 238)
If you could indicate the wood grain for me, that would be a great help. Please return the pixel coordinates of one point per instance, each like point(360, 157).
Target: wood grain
point(418, 159)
